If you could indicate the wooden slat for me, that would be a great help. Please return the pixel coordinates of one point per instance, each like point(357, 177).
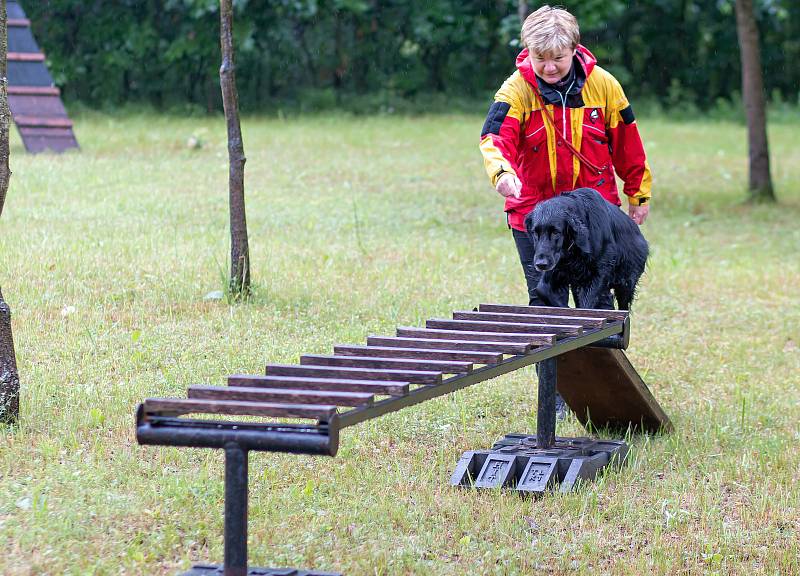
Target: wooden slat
point(609, 314)
point(471, 325)
point(419, 353)
point(178, 406)
point(503, 347)
point(42, 121)
point(586, 322)
point(35, 131)
point(39, 131)
point(372, 386)
point(19, 22)
point(41, 139)
point(412, 376)
point(33, 91)
point(390, 363)
point(281, 395)
point(469, 335)
point(36, 105)
point(25, 57)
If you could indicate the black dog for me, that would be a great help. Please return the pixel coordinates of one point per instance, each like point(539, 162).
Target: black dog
point(585, 242)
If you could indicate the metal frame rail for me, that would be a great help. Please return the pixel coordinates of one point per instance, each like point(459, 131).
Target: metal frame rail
point(518, 335)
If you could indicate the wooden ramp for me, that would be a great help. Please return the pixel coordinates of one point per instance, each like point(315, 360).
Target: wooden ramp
point(361, 382)
point(604, 390)
point(388, 373)
point(34, 100)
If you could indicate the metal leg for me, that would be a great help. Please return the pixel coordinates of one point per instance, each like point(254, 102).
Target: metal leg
point(235, 511)
point(236, 525)
point(546, 415)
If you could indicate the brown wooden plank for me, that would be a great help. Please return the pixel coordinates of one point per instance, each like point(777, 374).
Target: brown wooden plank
point(35, 142)
point(549, 310)
point(469, 335)
point(586, 322)
point(54, 133)
point(412, 376)
point(419, 353)
point(25, 57)
point(33, 91)
point(475, 325)
point(42, 121)
point(372, 386)
point(19, 22)
point(280, 395)
point(602, 387)
point(447, 367)
point(502, 347)
point(36, 105)
point(178, 406)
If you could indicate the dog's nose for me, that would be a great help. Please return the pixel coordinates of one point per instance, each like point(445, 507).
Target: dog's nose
point(542, 265)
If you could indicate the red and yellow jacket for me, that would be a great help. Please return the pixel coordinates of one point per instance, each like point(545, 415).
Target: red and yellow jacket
point(519, 139)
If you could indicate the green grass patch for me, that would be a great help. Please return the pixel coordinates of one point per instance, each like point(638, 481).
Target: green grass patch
point(358, 225)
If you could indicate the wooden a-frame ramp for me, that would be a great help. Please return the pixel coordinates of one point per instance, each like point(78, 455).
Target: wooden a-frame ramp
point(34, 100)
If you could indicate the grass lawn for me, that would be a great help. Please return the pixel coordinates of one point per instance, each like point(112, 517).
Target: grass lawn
point(357, 225)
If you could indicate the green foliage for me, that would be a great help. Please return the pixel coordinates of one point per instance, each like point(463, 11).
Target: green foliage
point(166, 52)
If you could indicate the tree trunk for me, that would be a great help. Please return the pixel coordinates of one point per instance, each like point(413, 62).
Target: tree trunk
point(9, 378)
point(523, 10)
point(240, 252)
point(5, 114)
point(760, 188)
point(341, 65)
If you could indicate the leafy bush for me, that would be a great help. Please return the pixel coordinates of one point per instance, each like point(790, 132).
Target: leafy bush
point(330, 52)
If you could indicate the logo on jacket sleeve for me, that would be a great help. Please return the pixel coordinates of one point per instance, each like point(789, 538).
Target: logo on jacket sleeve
point(594, 115)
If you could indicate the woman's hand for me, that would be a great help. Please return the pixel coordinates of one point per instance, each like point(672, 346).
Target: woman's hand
point(637, 213)
point(509, 185)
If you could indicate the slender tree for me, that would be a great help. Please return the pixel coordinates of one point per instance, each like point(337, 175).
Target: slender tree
point(760, 186)
point(523, 10)
point(9, 377)
point(240, 251)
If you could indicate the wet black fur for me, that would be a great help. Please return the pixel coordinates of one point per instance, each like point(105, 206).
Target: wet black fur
point(583, 241)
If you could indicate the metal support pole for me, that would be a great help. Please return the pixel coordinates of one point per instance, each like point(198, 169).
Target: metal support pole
point(235, 510)
point(546, 415)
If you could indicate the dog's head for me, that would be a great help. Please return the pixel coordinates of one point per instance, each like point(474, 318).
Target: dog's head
point(555, 229)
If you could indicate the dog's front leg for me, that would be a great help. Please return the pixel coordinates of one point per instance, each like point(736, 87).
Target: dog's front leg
point(552, 293)
point(595, 295)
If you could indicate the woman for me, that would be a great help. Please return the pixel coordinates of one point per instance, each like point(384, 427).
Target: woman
point(558, 123)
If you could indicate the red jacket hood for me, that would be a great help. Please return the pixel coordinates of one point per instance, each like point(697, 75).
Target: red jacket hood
point(586, 59)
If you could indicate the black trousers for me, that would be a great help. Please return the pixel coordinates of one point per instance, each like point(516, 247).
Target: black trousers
point(526, 252)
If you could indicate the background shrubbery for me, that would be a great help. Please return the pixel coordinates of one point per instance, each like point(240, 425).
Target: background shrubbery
point(391, 55)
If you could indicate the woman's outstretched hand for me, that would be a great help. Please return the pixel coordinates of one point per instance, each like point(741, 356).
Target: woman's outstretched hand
point(509, 185)
point(638, 213)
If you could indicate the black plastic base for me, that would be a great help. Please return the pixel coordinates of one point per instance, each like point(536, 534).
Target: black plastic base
point(217, 570)
point(515, 462)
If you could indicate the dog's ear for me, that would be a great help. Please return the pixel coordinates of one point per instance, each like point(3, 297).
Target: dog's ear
point(580, 234)
point(529, 225)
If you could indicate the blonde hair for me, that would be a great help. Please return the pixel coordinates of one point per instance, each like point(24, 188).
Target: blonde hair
point(550, 30)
